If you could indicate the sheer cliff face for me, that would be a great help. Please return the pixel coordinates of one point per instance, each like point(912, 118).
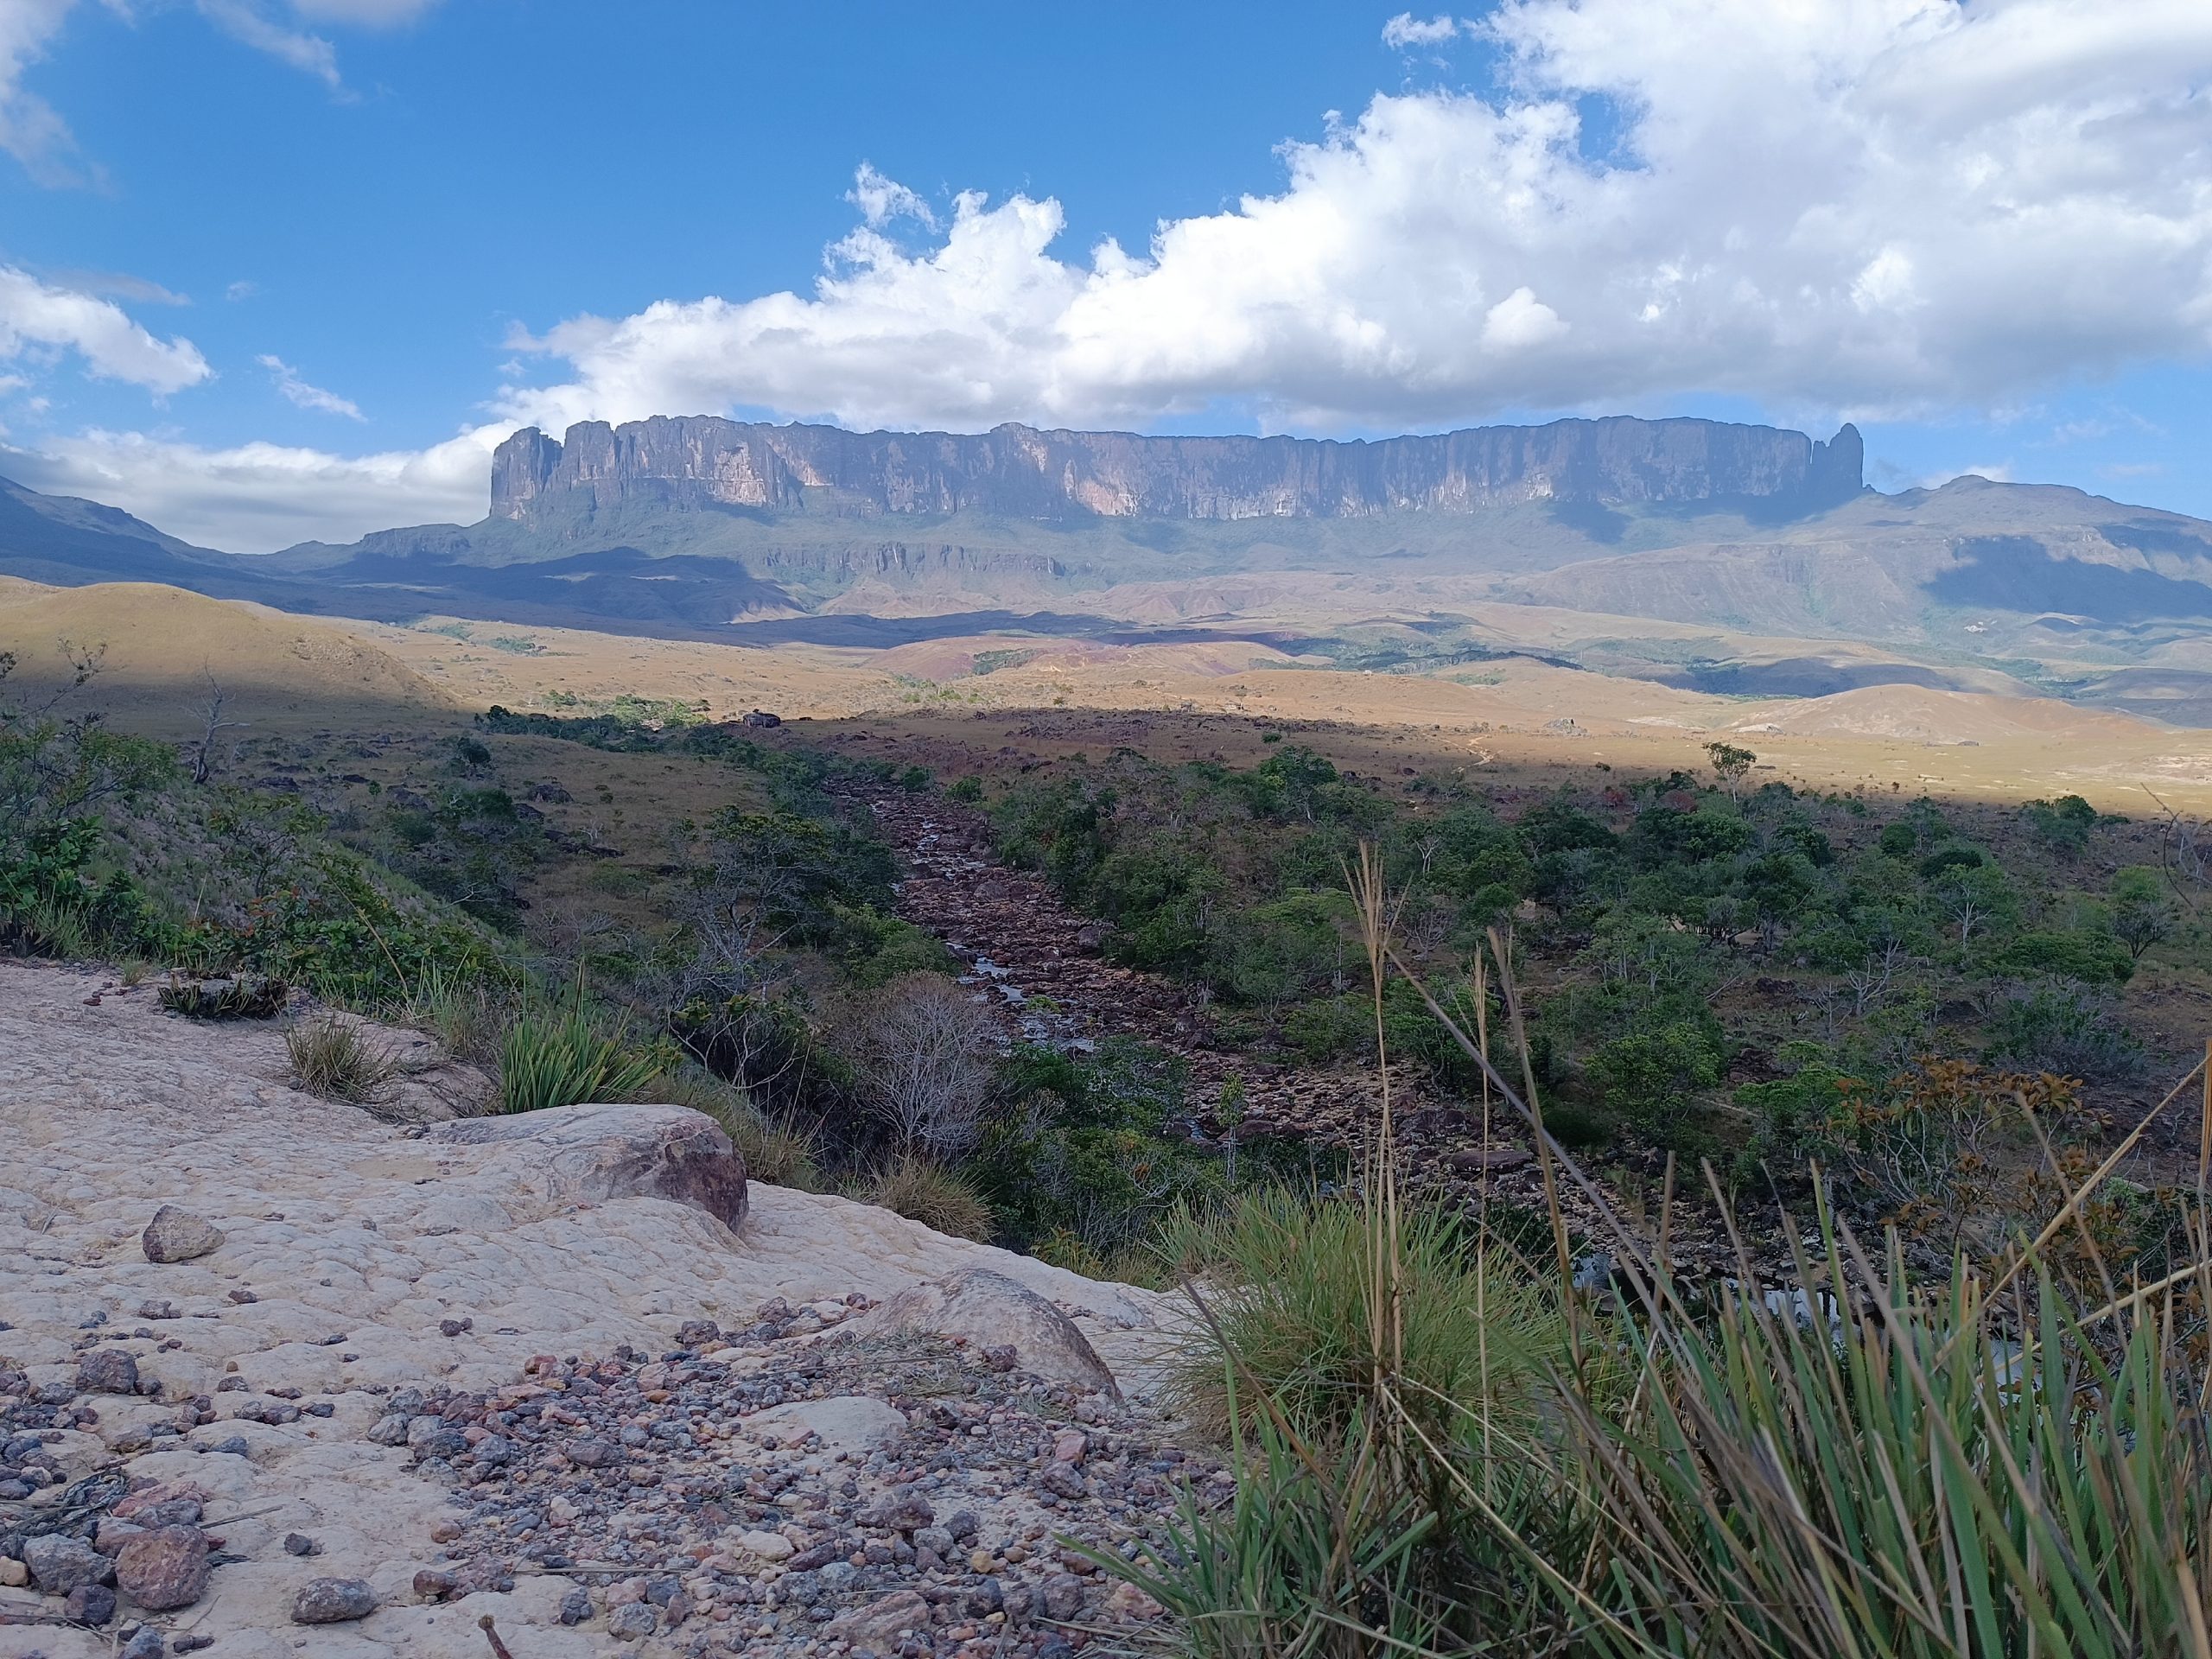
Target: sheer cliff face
point(702, 461)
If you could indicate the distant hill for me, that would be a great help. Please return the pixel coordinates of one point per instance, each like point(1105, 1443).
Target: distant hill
point(709, 529)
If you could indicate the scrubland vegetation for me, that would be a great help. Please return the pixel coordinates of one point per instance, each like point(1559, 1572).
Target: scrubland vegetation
point(1958, 1413)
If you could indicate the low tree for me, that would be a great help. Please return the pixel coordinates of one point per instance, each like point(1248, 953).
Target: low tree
point(2142, 914)
point(1730, 764)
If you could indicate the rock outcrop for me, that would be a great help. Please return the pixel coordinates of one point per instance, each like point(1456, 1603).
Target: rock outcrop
point(426, 1374)
point(589, 1153)
point(701, 461)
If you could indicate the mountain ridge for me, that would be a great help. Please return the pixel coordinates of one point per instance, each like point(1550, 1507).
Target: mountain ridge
point(691, 462)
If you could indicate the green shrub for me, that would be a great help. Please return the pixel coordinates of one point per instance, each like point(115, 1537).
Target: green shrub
point(2052, 1027)
point(247, 997)
point(563, 1058)
point(330, 1058)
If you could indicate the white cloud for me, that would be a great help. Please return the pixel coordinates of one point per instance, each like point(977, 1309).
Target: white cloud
point(882, 199)
point(38, 320)
point(259, 497)
point(247, 24)
point(307, 396)
point(1873, 206)
point(30, 130)
point(1404, 30)
point(241, 290)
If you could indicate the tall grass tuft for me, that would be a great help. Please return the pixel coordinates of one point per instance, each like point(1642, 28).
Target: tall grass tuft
point(330, 1058)
point(466, 1016)
point(941, 1199)
point(562, 1056)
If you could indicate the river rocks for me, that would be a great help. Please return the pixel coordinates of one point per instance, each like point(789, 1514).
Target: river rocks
point(879, 1629)
point(59, 1563)
point(333, 1601)
point(176, 1234)
point(13, 1572)
point(768, 1545)
point(592, 1153)
point(108, 1370)
point(989, 1309)
point(163, 1569)
point(633, 1622)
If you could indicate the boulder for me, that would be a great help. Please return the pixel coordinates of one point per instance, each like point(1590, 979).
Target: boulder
point(589, 1153)
point(59, 1563)
point(990, 1311)
point(163, 1569)
point(176, 1234)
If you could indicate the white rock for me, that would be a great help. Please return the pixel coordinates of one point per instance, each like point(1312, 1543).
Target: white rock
point(768, 1545)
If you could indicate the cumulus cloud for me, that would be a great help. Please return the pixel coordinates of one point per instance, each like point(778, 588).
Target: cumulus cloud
point(36, 319)
point(1877, 207)
point(303, 395)
point(258, 497)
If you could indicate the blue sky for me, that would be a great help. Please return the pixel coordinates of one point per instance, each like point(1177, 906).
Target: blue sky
point(349, 230)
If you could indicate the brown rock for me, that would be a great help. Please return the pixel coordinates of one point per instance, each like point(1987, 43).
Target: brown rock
point(990, 1310)
point(176, 1234)
point(591, 1153)
point(877, 1627)
point(164, 1568)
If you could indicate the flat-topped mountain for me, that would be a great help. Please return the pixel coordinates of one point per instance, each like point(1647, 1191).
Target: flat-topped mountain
point(703, 461)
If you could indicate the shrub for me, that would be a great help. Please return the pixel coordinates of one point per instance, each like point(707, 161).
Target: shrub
point(921, 1052)
point(939, 1198)
point(2053, 1026)
point(563, 1058)
point(248, 997)
point(329, 1058)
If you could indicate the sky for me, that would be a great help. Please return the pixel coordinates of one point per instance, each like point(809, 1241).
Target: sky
point(273, 271)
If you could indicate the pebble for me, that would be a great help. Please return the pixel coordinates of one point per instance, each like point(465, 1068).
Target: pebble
point(59, 1563)
point(766, 1542)
point(108, 1370)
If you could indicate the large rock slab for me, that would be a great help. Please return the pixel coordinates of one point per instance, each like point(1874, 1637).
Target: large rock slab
point(589, 1153)
point(992, 1310)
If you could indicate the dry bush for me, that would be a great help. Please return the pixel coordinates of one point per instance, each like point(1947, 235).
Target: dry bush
point(775, 1153)
point(921, 1048)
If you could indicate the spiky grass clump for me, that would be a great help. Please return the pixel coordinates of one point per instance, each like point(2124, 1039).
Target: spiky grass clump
point(330, 1058)
point(467, 1017)
point(1295, 1307)
point(775, 1153)
point(249, 997)
point(941, 1199)
point(561, 1058)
